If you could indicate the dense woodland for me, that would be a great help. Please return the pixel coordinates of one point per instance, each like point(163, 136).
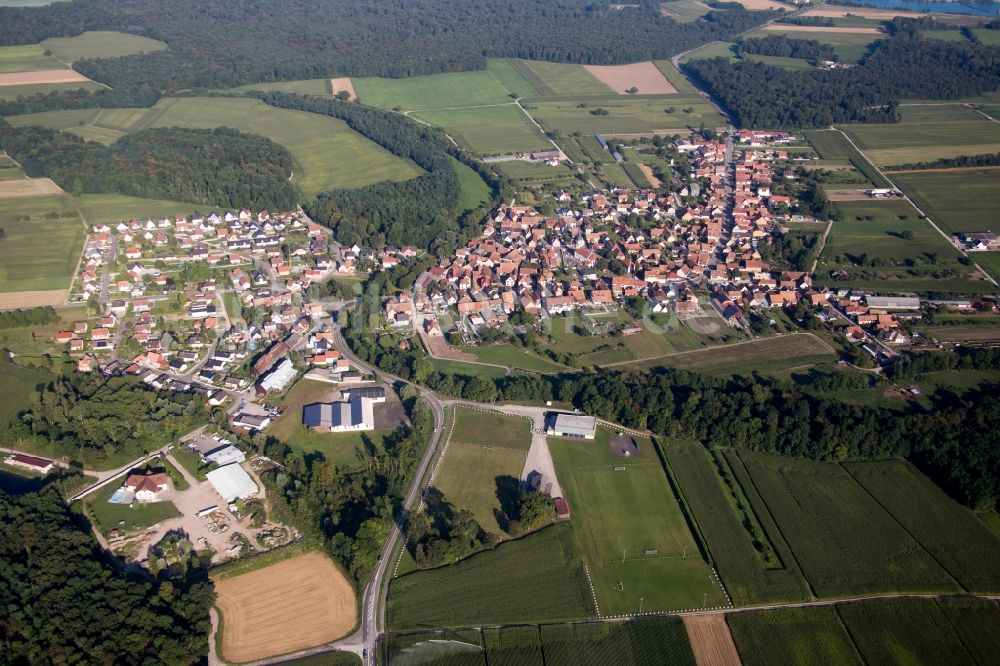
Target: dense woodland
point(219, 44)
point(902, 67)
point(220, 167)
point(64, 603)
point(92, 418)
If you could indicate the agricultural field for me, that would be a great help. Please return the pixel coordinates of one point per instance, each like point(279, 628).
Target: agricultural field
point(510, 78)
point(292, 605)
point(26, 58)
point(845, 542)
point(552, 79)
point(640, 78)
point(631, 530)
point(534, 174)
point(314, 87)
point(779, 61)
point(792, 637)
point(434, 91)
point(514, 357)
point(915, 112)
point(113, 208)
point(975, 621)
point(676, 78)
point(57, 120)
point(723, 511)
point(832, 145)
point(773, 354)
point(12, 92)
point(957, 200)
point(534, 579)
point(909, 143)
point(949, 532)
point(100, 44)
point(490, 130)
point(108, 516)
point(43, 238)
point(646, 114)
point(684, 10)
point(849, 43)
point(725, 50)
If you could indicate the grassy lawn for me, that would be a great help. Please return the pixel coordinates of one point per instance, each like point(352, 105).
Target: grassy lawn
point(956, 200)
point(473, 476)
point(625, 115)
point(551, 79)
point(113, 208)
point(39, 252)
point(792, 637)
point(100, 44)
point(122, 516)
point(630, 529)
point(26, 58)
point(514, 357)
point(533, 579)
point(473, 426)
point(910, 143)
point(766, 355)
point(190, 461)
point(489, 130)
point(435, 91)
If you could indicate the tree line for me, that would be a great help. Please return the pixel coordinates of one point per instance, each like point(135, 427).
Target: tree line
point(787, 47)
point(65, 603)
point(220, 167)
point(226, 44)
point(901, 67)
point(28, 317)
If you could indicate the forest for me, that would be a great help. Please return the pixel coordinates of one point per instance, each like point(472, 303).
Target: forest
point(221, 44)
point(92, 418)
point(898, 68)
point(64, 603)
point(220, 167)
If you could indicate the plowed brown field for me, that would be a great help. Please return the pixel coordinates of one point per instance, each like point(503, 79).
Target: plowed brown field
point(342, 84)
point(711, 641)
point(642, 75)
point(28, 187)
point(43, 76)
point(296, 604)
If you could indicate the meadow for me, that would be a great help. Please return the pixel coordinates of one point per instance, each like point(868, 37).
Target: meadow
point(26, 58)
point(989, 262)
point(100, 44)
point(314, 87)
point(631, 529)
point(677, 80)
point(113, 208)
point(489, 130)
point(625, 115)
point(936, 113)
point(725, 50)
point(765, 355)
point(535, 174)
point(8, 93)
point(514, 357)
point(435, 91)
point(536, 578)
point(722, 526)
point(472, 477)
point(551, 79)
point(43, 238)
point(475, 192)
point(508, 432)
point(913, 142)
point(16, 385)
point(841, 537)
point(952, 534)
point(959, 200)
point(791, 637)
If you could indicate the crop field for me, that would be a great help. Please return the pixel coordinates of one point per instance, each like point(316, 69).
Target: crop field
point(551, 79)
point(42, 243)
point(748, 577)
point(12, 92)
point(975, 621)
point(989, 262)
point(26, 58)
point(913, 142)
point(710, 639)
point(949, 532)
point(842, 538)
point(100, 44)
point(792, 637)
point(57, 120)
point(937, 113)
point(314, 87)
point(725, 50)
point(684, 10)
point(113, 208)
point(534, 579)
point(476, 427)
point(766, 355)
point(956, 200)
point(295, 604)
point(490, 130)
point(849, 43)
point(472, 477)
point(903, 631)
point(434, 91)
point(625, 115)
point(676, 78)
point(42, 77)
point(631, 530)
point(644, 77)
point(832, 145)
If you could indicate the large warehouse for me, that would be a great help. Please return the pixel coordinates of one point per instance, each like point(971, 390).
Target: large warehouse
point(232, 482)
point(356, 414)
point(572, 425)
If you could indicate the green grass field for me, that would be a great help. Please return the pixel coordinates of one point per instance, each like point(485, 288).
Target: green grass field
point(8, 93)
point(956, 200)
point(537, 578)
point(625, 115)
point(631, 530)
point(685, 10)
point(489, 130)
point(975, 621)
point(470, 478)
point(842, 538)
point(676, 78)
point(473, 426)
point(511, 79)
point(112, 208)
point(514, 357)
point(123, 517)
point(551, 79)
point(849, 46)
point(16, 386)
point(792, 637)
point(778, 61)
point(26, 58)
point(314, 87)
point(725, 50)
point(937, 113)
point(436, 91)
point(989, 261)
point(765, 355)
point(39, 252)
point(58, 120)
point(831, 145)
point(949, 532)
point(531, 173)
point(100, 44)
point(910, 143)
point(722, 523)
point(475, 192)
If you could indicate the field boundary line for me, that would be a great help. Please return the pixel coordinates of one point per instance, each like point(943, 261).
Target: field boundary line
point(593, 593)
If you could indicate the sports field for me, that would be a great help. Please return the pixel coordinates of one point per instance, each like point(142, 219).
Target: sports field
point(100, 44)
point(295, 604)
point(625, 114)
point(961, 200)
point(536, 578)
point(489, 130)
point(43, 238)
point(551, 79)
point(26, 58)
point(631, 530)
point(765, 355)
point(913, 142)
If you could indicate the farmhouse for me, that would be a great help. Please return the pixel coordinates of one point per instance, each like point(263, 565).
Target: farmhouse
point(31, 463)
point(147, 487)
point(356, 414)
point(572, 425)
point(232, 482)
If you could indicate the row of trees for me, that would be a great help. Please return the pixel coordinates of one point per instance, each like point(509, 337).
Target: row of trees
point(28, 317)
point(64, 603)
point(220, 167)
point(786, 47)
point(901, 67)
point(225, 44)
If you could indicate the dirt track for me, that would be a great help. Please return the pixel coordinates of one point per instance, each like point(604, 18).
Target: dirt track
point(44, 76)
point(28, 187)
point(342, 84)
point(296, 604)
point(642, 75)
point(847, 195)
point(31, 299)
point(711, 641)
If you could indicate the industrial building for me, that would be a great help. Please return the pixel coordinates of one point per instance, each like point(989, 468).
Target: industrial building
point(572, 425)
point(355, 414)
point(232, 482)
